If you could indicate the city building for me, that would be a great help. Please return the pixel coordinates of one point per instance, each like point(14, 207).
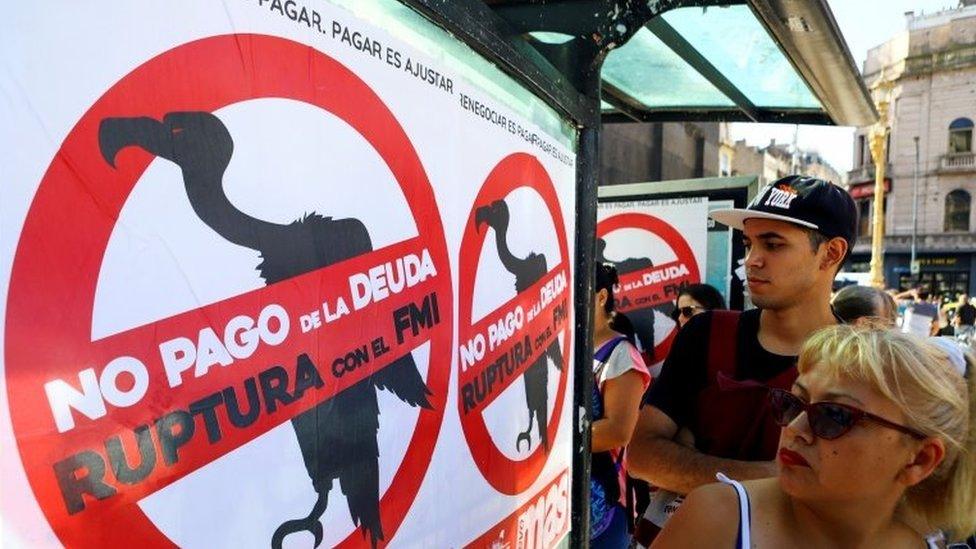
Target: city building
point(776, 160)
point(814, 165)
point(632, 152)
point(639, 152)
point(931, 66)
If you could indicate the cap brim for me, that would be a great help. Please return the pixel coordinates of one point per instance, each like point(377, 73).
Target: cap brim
point(736, 218)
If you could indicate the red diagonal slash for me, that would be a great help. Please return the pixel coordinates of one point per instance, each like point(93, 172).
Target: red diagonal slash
point(641, 293)
point(536, 330)
point(323, 346)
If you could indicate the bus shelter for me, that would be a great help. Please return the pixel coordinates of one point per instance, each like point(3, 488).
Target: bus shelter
point(283, 273)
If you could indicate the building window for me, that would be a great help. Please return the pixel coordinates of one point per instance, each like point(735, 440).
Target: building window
point(957, 211)
point(724, 165)
point(961, 136)
point(860, 150)
point(864, 217)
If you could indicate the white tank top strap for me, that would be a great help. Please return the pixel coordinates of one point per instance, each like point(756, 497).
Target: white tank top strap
point(935, 540)
point(744, 537)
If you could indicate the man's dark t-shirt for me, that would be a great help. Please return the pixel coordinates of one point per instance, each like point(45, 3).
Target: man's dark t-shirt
point(967, 314)
point(684, 374)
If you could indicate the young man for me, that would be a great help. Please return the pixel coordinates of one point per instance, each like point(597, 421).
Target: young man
point(707, 413)
point(922, 316)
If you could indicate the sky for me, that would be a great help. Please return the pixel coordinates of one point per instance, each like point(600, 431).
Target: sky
point(864, 24)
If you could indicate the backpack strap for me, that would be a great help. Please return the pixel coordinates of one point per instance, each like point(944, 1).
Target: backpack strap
point(722, 344)
point(602, 355)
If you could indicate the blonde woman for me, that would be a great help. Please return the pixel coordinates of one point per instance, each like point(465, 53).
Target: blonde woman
point(877, 450)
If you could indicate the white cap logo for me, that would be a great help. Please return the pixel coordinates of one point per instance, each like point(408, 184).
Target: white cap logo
point(780, 198)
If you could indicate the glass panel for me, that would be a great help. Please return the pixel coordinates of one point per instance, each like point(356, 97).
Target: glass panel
point(751, 61)
point(864, 217)
point(960, 141)
point(551, 37)
point(651, 74)
point(957, 211)
point(905, 282)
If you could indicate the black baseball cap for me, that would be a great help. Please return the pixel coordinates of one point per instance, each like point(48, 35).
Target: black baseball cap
point(801, 200)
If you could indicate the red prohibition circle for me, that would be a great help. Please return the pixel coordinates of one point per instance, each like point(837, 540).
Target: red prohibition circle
point(670, 235)
point(514, 171)
point(66, 231)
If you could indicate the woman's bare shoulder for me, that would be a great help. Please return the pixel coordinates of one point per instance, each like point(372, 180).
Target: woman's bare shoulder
point(709, 514)
point(764, 490)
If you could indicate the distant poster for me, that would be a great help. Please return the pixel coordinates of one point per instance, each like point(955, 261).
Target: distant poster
point(231, 276)
point(658, 246)
point(719, 273)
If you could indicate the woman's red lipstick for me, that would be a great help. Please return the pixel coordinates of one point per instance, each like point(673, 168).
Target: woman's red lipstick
point(789, 457)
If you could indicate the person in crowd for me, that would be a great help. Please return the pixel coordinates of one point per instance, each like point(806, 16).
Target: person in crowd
point(902, 301)
point(947, 312)
point(707, 412)
point(620, 378)
point(964, 321)
point(694, 299)
point(877, 449)
point(853, 303)
point(921, 316)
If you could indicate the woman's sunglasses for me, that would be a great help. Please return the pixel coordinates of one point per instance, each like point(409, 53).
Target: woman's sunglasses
point(828, 420)
point(687, 312)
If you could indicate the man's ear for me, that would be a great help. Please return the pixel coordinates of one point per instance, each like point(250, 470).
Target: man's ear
point(835, 251)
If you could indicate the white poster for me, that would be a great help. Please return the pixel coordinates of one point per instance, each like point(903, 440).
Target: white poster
point(278, 274)
point(658, 246)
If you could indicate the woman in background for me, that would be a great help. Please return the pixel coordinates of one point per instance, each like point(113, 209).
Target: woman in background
point(620, 379)
point(695, 299)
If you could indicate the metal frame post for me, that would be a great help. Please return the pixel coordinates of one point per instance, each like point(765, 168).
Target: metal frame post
point(567, 77)
point(587, 172)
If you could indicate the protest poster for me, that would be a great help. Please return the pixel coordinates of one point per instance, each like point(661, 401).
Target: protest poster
point(658, 246)
point(232, 271)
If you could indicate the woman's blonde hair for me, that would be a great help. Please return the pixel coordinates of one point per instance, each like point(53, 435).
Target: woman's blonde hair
point(918, 376)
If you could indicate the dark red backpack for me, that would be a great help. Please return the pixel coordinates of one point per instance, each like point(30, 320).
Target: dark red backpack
point(732, 418)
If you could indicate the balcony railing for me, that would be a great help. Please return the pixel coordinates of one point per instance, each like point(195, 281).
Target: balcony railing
point(958, 162)
point(865, 172)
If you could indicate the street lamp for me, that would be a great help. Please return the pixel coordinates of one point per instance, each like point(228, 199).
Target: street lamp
point(913, 265)
point(878, 141)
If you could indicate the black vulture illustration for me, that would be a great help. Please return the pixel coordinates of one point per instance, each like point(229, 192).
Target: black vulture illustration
point(337, 437)
point(527, 272)
point(642, 318)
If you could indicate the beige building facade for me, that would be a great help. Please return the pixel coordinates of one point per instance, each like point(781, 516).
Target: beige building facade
point(772, 162)
point(633, 152)
point(932, 68)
